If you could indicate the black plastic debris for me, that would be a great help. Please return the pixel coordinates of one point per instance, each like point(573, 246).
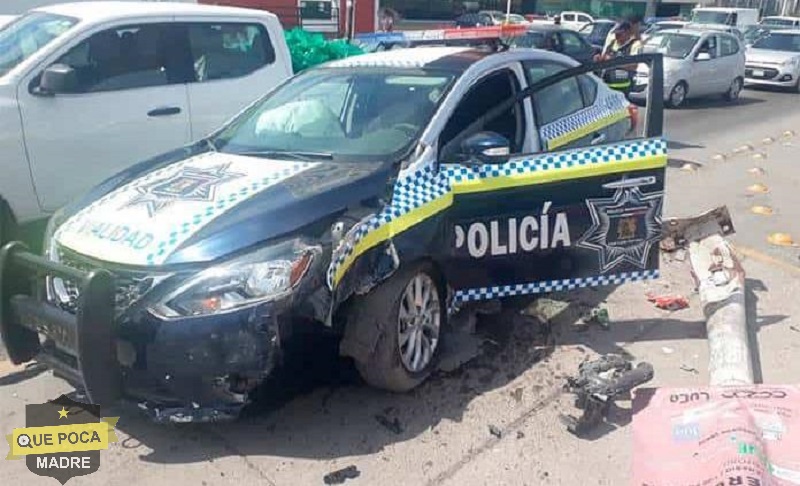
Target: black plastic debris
point(599, 384)
point(390, 425)
point(342, 475)
point(495, 431)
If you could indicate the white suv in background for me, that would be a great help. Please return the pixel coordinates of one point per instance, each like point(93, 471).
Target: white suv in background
point(88, 89)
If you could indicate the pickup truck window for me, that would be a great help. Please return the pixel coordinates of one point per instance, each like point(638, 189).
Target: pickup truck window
point(27, 35)
point(228, 50)
point(127, 57)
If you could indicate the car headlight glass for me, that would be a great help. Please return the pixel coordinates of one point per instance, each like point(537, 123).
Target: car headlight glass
point(267, 274)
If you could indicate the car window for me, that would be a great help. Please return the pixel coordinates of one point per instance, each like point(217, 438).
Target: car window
point(728, 46)
point(568, 17)
point(709, 46)
point(489, 92)
point(555, 101)
point(571, 43)
point(228, 50)
point(584, 18)
point(588, 87)
point(135, 56)
point(27, 35)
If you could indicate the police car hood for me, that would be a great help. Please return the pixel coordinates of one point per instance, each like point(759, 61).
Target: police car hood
point(214, 204)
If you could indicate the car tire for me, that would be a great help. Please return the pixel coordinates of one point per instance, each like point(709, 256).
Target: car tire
point(734, 90)
point(395, 365)
point(677, 96)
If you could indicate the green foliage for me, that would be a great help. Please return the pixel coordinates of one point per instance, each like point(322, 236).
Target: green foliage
point(310, 49)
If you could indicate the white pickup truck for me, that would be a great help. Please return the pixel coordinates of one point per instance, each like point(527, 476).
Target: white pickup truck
point(88, 89)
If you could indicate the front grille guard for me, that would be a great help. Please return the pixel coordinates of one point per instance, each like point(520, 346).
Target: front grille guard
point(88, 335)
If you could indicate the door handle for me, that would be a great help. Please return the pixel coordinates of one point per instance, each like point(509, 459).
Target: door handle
point(165, 111)
point(598, 138)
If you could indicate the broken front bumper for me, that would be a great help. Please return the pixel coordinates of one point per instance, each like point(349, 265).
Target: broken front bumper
point(191, 369)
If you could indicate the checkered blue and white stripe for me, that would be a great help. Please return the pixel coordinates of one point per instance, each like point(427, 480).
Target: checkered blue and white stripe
point(547, 286)
point(425, 185)
point(605, 108)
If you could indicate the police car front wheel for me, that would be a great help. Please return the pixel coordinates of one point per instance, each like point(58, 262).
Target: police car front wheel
point(409, 311)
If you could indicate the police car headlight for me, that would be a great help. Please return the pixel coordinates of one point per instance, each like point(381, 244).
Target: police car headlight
point(265, 275)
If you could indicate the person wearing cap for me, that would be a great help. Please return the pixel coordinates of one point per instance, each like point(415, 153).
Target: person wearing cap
point(636, 25)
point(624, 44)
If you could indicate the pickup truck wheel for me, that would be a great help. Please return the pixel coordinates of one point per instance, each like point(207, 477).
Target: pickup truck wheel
point(408, 309)
point(678, 95)
point(734, 90)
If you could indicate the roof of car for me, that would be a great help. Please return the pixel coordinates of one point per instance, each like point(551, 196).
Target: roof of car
point(450, 58)
point(541, 27)
point(112, 10)
point(785, 31)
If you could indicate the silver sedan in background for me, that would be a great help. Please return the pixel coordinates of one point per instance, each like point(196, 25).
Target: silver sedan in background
point(774, 60)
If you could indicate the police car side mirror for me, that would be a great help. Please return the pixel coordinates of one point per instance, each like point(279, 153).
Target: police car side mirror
point(485, 148)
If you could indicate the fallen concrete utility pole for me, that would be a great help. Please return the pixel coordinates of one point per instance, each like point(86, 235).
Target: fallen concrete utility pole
point(720, 280)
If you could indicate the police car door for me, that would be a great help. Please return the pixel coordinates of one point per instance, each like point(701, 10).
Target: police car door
point(577, 216)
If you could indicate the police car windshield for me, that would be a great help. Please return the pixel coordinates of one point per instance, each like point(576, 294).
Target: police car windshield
point(671, 44)
point(779, 42)
point(350, 114)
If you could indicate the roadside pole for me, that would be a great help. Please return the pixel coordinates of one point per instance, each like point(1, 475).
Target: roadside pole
point(720, 281)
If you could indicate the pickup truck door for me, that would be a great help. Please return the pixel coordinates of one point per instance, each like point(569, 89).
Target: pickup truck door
point(129, 103)
point(236, 61)
point(558, 220)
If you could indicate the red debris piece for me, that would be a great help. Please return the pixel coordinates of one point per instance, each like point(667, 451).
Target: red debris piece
point(668, 302)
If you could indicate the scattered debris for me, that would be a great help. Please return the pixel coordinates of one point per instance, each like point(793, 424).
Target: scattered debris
point(600, 383)
point(767, 140)
point(781, 239)
point(743, 148)
point(342, 475)
point(520, 434)
point(667, 350)
point(689, 369)
point(668, 302)
point(545, 309)
point(758, 188)
point(788, 134)
point(793, 328)
point(719, 157)
point(756, 171)
point(760, 155)
point(495, 431)
point(689, 167)
point(762, 210)
point(599, 316)
point(390, 425)
point(517, 394)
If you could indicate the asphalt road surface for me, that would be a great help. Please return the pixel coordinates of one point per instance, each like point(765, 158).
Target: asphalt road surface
point(496, 420)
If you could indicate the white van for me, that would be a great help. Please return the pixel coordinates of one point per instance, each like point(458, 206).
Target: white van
point(781, 21)
point(575, 20)
point(88, 89)
point(733, 17)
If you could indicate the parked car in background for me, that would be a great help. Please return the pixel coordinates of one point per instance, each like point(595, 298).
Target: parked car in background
point(754, 33)
point(575, 20)
point(662, 25)
point(774, 60)
point(780, 21)
point(716, 28)
point(557, 39)
point(88, 89)
point(474, 19)
point(516, 19)
point(696, 64)
point(734, 17)
point(597, 32)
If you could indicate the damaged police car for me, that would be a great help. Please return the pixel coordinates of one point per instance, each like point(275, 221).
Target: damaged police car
point(372, 197)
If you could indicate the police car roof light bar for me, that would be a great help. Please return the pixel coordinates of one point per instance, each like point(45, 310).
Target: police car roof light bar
point(412, 38)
